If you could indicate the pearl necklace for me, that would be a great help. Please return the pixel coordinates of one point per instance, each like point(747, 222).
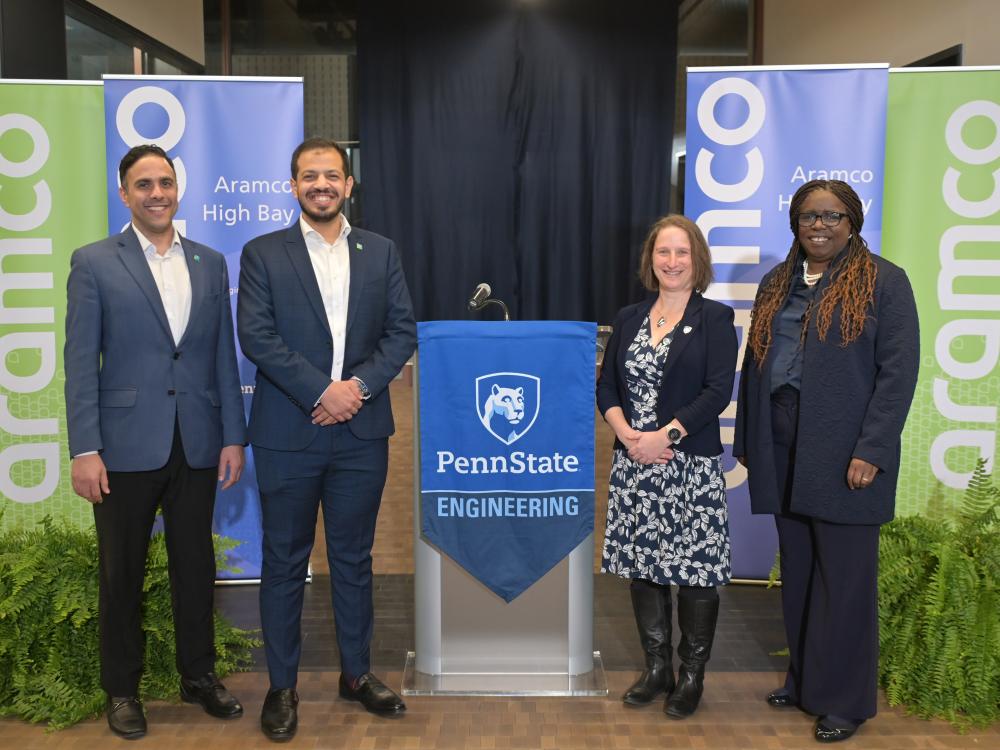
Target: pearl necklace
point(810, 278)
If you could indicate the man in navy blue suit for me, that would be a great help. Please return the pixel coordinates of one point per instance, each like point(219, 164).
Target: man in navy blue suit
point(155, 417)
point(325, 314)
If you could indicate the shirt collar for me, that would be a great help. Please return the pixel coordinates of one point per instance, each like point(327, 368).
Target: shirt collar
point(308, 231)
point(150, 249)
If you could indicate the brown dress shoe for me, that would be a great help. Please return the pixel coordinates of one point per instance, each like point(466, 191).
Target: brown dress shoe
point(125, 717)
point(372, 694)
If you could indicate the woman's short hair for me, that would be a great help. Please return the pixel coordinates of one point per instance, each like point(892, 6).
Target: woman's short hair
point(701, 257)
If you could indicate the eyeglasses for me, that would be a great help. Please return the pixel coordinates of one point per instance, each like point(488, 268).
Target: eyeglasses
point(830, 218)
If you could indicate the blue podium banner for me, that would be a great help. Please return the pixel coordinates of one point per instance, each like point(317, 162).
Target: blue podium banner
point(754, 137)
point(507, 445)
point(231, 140)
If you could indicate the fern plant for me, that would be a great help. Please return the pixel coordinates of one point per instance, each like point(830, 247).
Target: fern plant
point(49, 657)
point(939, 610)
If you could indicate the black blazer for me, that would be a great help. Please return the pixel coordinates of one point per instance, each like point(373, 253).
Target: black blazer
point(697, 378)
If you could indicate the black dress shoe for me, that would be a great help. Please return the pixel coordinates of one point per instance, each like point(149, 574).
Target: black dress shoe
point(781, 699)
point(372, 694)
point(280, 718)
point(834, 728)
point(212, 695)
point(125, 717)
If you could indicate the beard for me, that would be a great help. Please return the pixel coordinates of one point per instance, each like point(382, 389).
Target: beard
point(326, 215)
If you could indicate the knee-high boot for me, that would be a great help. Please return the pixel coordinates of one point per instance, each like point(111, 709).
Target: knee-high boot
point(651, 605)
point(697, 618)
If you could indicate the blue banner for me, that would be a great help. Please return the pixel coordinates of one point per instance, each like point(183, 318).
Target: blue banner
point(231, 142)
point(507, 445)
point(754, 136)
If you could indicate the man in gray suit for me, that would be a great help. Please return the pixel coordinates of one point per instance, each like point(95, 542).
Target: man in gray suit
point(325, 314)
point(155, 417)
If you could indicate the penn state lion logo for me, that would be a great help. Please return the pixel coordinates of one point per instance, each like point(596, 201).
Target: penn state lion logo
point(507, 404)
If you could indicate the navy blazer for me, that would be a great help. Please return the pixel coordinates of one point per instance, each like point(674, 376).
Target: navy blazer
point(283, 329)
point(853, 402)
point(126, 380)
point(697, 376)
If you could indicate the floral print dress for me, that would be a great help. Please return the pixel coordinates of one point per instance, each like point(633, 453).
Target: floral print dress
point(667, 523)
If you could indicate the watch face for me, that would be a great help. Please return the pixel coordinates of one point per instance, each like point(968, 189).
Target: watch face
point(674, 434)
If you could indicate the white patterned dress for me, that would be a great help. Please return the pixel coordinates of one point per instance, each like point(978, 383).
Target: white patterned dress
point(667, 523)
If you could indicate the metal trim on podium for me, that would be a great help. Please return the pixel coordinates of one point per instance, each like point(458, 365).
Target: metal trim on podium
point(469, 641)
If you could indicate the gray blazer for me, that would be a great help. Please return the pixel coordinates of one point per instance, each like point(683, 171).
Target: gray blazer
point(283, 329)
point(126, 381)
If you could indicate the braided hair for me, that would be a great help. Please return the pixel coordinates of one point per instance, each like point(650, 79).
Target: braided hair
point(851, 285)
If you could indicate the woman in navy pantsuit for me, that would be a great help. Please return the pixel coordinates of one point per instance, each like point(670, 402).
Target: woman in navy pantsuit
point(829, 372)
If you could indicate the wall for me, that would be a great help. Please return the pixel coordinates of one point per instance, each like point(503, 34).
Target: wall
point(894, 31)
point(179, 24)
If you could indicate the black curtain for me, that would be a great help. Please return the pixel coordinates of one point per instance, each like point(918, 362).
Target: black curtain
point(522, 143)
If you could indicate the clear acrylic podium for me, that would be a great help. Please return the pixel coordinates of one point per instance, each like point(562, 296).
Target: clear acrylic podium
point(469, 641)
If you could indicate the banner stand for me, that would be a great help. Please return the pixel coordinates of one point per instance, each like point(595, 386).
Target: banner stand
point(470, 642)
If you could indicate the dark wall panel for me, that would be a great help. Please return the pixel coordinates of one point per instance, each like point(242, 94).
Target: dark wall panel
point(523, 144)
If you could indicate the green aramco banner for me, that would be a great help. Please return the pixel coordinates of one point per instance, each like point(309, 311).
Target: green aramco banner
point(52, 200)
point(942, 224)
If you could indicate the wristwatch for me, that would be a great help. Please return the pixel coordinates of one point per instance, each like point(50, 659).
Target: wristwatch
point(674, 434)
point(365, 393)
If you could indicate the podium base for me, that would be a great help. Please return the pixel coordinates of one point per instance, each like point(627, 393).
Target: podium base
point(592, 683)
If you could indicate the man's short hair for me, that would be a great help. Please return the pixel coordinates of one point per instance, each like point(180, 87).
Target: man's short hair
point(137, 152)
point(320, 144)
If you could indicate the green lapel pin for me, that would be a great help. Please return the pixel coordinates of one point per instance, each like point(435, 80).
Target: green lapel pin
point(357, 246)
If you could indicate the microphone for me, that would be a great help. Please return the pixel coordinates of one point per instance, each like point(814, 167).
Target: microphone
point(478, 298)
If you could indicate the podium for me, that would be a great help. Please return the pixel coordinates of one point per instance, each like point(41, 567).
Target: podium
point(469, 641)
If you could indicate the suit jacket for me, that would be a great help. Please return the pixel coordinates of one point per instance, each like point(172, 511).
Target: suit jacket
point(283, 329)
point(126, 380)
point(853, 402)
point(698, 375)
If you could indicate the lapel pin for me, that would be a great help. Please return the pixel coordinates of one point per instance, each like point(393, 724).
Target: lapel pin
point(687, 329)
point(197, 259)
point(357, 246)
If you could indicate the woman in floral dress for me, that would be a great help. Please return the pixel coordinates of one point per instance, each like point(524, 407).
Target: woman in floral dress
point(668, 373)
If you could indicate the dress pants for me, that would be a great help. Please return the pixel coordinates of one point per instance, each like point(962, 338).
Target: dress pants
point(346, 475)
point(829, 594)
point(124, 521)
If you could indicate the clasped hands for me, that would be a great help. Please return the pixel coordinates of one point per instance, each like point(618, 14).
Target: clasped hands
point(340, 401)
point(646, 447)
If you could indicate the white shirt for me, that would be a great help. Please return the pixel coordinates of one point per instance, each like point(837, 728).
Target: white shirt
point(332, 266)
point(170, 272)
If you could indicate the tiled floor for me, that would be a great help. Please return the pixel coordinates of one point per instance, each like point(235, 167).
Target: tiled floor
point(733, 715)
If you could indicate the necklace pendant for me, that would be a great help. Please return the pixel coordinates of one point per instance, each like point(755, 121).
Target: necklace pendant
point(661, 322)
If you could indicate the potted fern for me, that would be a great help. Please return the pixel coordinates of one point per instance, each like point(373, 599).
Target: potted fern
point(49, 660)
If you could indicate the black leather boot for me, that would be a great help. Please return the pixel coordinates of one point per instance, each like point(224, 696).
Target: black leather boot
point(651, 605)
point(697, 618)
